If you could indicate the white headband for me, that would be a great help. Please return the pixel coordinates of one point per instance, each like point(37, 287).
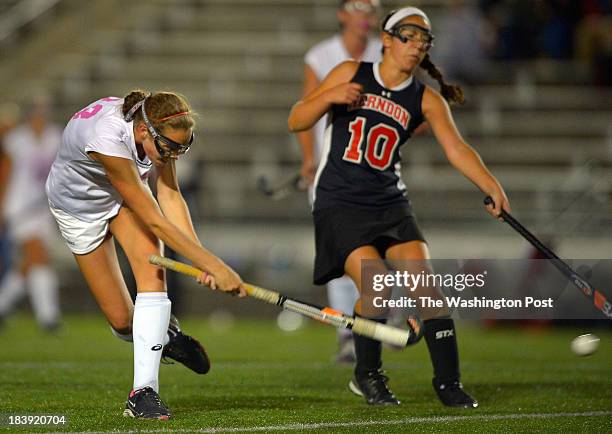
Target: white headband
point(400, 14)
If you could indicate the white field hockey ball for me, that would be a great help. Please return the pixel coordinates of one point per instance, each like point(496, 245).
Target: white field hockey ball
point(585, 345)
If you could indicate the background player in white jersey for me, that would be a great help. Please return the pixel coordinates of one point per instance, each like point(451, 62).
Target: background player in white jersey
point(31, 148)
point(97, 192)
point(357, 18)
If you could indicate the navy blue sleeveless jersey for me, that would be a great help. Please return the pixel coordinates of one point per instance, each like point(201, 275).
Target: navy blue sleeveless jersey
point(361, 160)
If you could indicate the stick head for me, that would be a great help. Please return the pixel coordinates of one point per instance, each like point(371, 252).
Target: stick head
point(416, 326)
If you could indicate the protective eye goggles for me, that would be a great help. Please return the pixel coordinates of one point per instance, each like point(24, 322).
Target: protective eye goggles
point(174, 148)
point(413, 34)
point(364, 7)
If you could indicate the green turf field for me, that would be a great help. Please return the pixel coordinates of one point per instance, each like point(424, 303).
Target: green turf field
point(267, 380)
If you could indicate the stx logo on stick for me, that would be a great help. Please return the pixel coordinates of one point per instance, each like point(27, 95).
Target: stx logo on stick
point(580, 284)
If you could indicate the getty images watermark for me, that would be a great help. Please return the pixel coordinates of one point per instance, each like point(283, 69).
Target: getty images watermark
point(480, 289)
point(459, 282)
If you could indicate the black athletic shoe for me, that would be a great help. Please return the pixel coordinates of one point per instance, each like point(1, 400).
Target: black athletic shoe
point(185, 349)
point(373, 387)
point(146, 404)
point(453, 395)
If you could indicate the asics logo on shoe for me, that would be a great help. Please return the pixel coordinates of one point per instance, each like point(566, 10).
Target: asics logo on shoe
point(444, 333)
point(157, 347)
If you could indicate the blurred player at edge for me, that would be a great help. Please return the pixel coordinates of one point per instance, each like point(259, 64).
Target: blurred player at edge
point(9, 115)
point(357, 18)
point(31, 148)
point(361, 209)
point(97, 192)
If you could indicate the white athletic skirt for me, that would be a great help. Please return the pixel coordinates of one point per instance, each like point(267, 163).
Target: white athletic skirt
point(81, 237)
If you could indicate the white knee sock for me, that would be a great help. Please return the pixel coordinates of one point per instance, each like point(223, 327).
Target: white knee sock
point(343, 295)
point(12, 290)
point(130, 338)
point(44, 294)
point(150, 330)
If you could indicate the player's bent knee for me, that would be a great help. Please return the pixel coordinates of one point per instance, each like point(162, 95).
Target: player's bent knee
point(122, 325)
point(123, 334)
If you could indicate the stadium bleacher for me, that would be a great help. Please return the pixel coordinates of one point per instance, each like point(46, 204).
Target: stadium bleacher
point(539, 124)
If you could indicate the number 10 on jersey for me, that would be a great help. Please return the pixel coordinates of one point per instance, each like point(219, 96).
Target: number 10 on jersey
point(380, 144)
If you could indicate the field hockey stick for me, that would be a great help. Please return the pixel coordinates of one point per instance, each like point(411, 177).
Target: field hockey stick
point(598, 299)
point(361, 326)
point(282, 190)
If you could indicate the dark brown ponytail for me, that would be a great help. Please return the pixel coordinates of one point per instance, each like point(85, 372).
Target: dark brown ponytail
point(451, 93)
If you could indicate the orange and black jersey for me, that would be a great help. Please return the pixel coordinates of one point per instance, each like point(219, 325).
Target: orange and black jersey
point(361, 159)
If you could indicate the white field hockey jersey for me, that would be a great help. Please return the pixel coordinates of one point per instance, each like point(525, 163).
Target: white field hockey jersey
point(31, 158)
point(77, 184)
point(325, 56)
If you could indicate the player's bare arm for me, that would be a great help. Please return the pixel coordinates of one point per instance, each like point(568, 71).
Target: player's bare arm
point(459, 153)
point(175, 208)
point(124, 178)
point(335, 89)
point(171, 200)
point(306, 138)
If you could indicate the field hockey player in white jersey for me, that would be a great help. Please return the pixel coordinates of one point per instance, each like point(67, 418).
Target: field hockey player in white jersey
point(97, 192)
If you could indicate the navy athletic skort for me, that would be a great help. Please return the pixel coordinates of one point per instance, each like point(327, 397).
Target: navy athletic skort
point(340, 230)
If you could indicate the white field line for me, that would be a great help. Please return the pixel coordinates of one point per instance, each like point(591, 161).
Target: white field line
point(323, 425)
